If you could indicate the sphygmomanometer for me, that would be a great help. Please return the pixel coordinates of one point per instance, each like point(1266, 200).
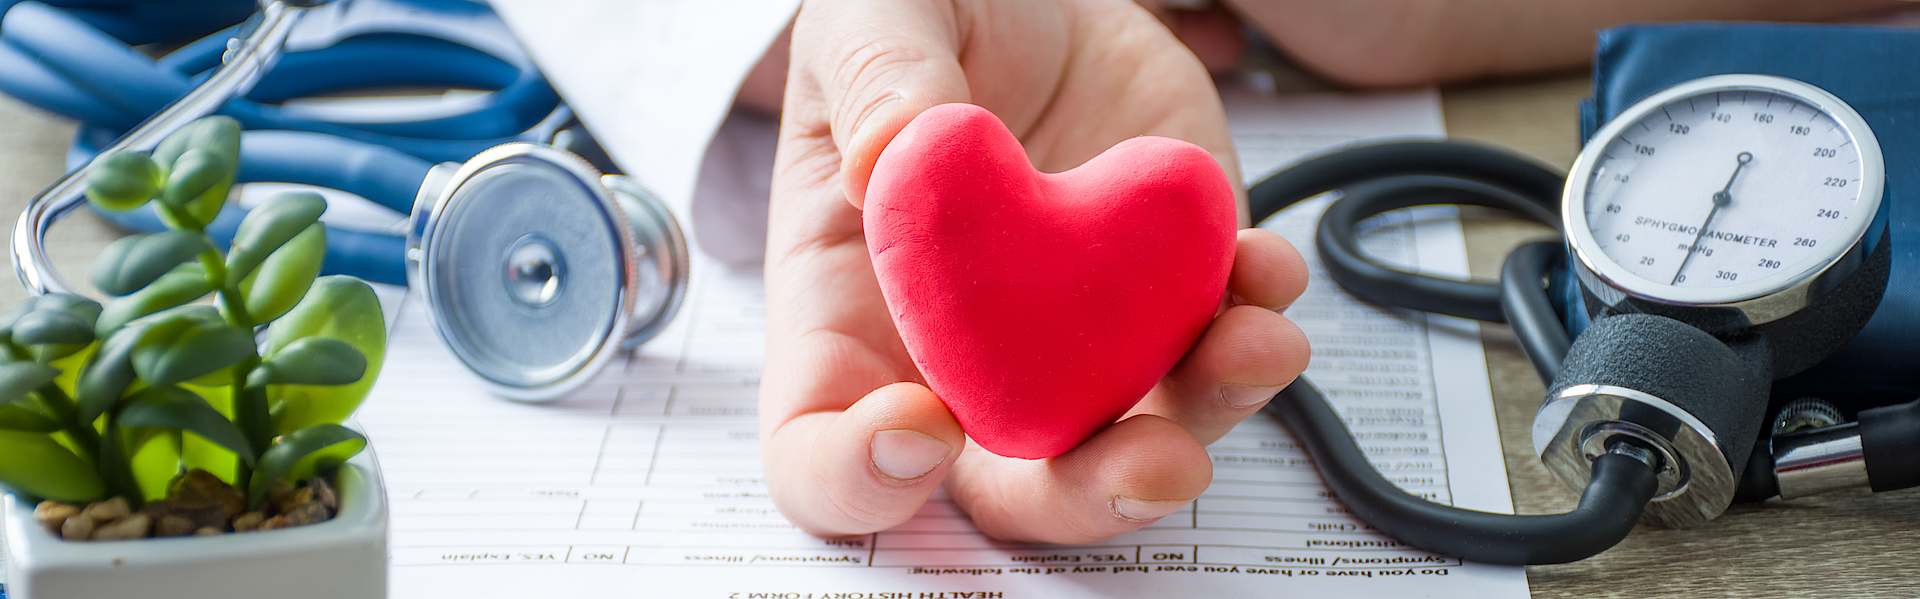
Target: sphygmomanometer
point(535, 265)
point(1730, 316)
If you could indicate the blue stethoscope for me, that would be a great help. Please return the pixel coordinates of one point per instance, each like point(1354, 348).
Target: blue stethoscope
point(535, 266)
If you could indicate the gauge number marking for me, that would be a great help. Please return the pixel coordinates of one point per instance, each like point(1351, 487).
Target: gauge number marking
point(1674, 202)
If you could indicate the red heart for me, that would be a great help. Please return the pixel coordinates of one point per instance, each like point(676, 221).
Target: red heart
point(1041, 307)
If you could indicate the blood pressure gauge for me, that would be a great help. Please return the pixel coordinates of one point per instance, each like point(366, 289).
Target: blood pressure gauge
point(1735, 191)
point(1727, 233)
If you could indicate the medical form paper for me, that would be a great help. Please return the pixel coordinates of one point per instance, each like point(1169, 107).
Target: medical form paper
point(647, 483)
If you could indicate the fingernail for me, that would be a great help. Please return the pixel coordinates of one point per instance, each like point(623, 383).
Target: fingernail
point(907, 455)
point(1241, 396)
point(1128, 508)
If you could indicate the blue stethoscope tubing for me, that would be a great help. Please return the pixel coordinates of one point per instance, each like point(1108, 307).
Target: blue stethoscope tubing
point(386, 176)
point(61, 59)
point(59, 62)
point(138, 22)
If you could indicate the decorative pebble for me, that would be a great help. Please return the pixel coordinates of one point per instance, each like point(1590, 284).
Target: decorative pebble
point(109, 510)
point(306, 513)
point(131, 527)
point(248, 521)
point(278, 491)
point(199, 489)
point(52, 514)
point(173, 526)
point(323, 491)
point(274, 523)
point(157, 510)
point(77, 528)
point(197, 503)
point(301, 496)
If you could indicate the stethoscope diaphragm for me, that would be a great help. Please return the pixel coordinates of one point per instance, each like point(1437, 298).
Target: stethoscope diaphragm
point(537, 269)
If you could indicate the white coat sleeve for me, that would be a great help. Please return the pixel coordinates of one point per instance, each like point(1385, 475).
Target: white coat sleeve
point(652, 79)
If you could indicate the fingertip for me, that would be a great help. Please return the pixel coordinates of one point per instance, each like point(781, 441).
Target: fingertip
point(1131, 474)
point(910, 432)
point(1146, 457)
point(877, 64)
point(1246, 345)
point(872, 130)
point(1267, 270)
point(866, 469)
point(1246, 356)
point(1145, 467)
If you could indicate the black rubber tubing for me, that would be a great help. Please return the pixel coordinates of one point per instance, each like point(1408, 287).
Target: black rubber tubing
point(1376, 179)
point(1523, 299)
point(1379, 178)
point(1620, 488)
point(1890, 440)
point(1338, 242)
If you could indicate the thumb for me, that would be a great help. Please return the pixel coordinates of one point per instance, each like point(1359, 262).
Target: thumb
point(876, 64)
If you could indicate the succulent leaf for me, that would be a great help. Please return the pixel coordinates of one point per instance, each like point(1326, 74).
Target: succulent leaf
point(217, 134)
point(279, 283)
point(178, 409)
point(16, 417)
point(39, 466)
point(134, 261)
point(17, 379)
point(107, 377)
point(305, 453)
point(123, 181)
point(170, 356)
point(52, 327)
point(184, 284)
point(269, 226)
point(312, 361)
point(337, 307)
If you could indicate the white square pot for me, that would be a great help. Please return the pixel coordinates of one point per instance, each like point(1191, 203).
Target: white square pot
point(342, 558)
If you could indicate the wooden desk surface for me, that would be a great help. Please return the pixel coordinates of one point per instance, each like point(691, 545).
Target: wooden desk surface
point(1843, 545)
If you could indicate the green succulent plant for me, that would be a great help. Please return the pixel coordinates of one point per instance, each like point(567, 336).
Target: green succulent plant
point(118, 400)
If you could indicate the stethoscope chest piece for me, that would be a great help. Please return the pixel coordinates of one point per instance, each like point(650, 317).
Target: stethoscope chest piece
point(536, 269)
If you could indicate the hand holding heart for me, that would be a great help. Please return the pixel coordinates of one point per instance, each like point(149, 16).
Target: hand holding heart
point(1039, 307)
point(853, 440)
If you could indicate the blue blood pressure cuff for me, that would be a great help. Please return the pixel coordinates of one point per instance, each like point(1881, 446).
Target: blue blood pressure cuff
point(1874, 69)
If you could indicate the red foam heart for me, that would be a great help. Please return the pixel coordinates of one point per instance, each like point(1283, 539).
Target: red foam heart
point(1040, 307)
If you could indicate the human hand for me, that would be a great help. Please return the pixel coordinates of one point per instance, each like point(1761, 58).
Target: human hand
point(846, 449)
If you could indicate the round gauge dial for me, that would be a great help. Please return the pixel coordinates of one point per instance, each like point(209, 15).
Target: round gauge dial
point(1724, 189)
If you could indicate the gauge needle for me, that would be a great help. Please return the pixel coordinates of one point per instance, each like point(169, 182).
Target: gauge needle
point(1720, 200)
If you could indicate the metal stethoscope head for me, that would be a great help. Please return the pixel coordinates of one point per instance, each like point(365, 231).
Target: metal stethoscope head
point(536, 269)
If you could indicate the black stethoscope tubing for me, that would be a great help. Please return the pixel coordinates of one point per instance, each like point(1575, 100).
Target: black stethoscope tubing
point(1380, 178)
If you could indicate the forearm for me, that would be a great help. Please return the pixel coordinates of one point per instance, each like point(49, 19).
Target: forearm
point(1400, 42)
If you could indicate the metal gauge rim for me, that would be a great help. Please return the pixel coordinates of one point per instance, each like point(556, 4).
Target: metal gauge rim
point(1595, 261)
point(553, 382)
